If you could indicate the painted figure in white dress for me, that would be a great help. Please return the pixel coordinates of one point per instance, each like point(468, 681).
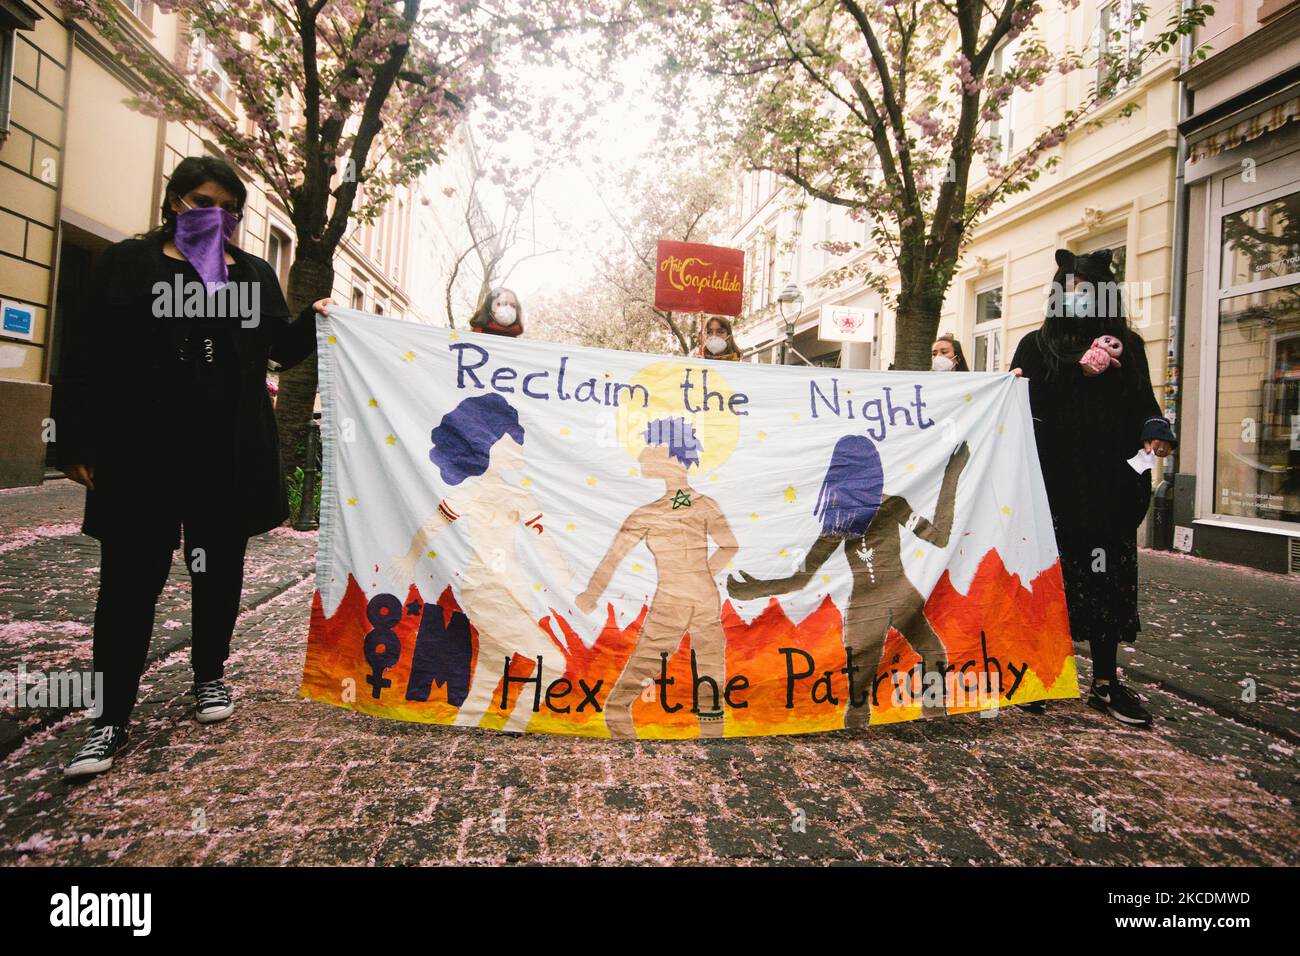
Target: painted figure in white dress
point(478, 449)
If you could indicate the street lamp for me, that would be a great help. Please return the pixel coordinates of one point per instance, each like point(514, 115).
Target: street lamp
point(790, 296)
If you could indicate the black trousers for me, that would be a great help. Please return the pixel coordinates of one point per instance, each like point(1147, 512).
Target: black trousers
point(132, 575)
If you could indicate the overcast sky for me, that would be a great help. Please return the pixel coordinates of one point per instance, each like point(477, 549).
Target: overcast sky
point(567, 216)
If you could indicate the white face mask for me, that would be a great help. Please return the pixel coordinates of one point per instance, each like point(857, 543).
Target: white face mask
point(715, 344)
point(504, 314)
point(941, 363)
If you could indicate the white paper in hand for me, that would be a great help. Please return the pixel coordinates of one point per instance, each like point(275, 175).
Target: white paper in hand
point(1142, 461)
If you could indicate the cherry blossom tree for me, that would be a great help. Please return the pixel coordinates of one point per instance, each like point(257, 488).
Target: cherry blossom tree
point(335, 104)
point(887, 107)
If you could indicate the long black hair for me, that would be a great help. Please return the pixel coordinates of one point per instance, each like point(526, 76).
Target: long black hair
point(1066, 337)
point(190, 173)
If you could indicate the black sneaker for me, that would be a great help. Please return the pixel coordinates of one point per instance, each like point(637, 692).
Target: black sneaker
point(213, 701)
point(1121, 703)
point(97, 755)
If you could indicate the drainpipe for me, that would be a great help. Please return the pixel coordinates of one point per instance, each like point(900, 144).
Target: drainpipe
point(1163, 516)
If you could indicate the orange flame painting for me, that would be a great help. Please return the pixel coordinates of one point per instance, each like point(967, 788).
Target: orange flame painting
point(1006, 643)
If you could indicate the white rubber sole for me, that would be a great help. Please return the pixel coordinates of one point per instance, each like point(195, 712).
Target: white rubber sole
point(1105, 708)
point(1128, 720)
point(87, 769)
point(214, 716)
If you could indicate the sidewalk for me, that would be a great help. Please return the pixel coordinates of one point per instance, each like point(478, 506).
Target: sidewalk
point(290, 781)
point(48, 579)
point(1224, 636)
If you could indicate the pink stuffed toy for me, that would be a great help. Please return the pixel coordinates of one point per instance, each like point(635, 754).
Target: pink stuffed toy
point(1101, 355)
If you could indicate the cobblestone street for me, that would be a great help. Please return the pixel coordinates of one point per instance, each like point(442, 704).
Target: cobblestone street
point(290, 781)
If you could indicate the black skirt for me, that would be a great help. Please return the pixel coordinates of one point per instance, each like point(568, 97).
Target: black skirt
point(1101, 587)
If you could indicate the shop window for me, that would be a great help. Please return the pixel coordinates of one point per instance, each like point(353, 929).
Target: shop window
point(1260, 243)
point(1257, 445)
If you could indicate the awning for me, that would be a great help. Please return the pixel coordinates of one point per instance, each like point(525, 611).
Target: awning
point(1268, 120)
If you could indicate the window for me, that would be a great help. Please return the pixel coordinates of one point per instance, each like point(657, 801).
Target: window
point(1004, 58)
point(828, 228)
point(204, 61)
point(13, 17)
point(751, 275)
point(395, 244)
point(1118, 37)
point(359, 298)
point(277, 253)
point(1257, 445)
point(769, 272)
point(1257, 426)
point(8, 41)
point(1262, 242)
point(142, 10)
point(988, 330)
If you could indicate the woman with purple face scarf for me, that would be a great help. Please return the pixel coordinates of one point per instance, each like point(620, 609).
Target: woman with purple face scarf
point(162, 412)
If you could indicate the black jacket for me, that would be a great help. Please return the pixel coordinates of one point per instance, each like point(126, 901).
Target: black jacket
point(1086, 430)
point(118, 407)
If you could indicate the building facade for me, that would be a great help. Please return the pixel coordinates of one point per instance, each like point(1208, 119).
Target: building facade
point(1237, 483)
point(1113, 187)
point(782, 232)
point(80, 170)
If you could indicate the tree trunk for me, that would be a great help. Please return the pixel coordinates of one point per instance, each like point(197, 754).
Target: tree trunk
point(309, 279)
point(915, 327)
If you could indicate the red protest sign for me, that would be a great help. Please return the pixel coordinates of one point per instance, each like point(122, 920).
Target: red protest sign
point(693, 277)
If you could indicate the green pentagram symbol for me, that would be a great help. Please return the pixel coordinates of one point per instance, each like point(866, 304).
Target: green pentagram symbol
point(681, 499)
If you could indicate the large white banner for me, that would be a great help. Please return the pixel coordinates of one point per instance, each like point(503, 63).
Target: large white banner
point(529, 536)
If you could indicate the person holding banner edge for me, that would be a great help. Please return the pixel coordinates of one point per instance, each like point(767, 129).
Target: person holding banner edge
point(1098, 429)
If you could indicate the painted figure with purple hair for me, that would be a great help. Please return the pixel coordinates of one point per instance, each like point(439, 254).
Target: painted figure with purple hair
point(856, 513)
point(676, 528)
point(478, 448)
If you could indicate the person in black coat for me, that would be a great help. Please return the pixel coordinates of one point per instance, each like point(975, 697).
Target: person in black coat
point(1088, 424)
point(161, 410)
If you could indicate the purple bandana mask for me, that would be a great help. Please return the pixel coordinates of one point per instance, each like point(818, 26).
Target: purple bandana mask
point(201, 235)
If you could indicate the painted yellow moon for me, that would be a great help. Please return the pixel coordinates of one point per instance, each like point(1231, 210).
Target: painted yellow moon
point(716, 429)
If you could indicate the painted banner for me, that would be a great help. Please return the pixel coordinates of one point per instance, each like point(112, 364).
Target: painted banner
point(693, 277)
point(535, 537)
